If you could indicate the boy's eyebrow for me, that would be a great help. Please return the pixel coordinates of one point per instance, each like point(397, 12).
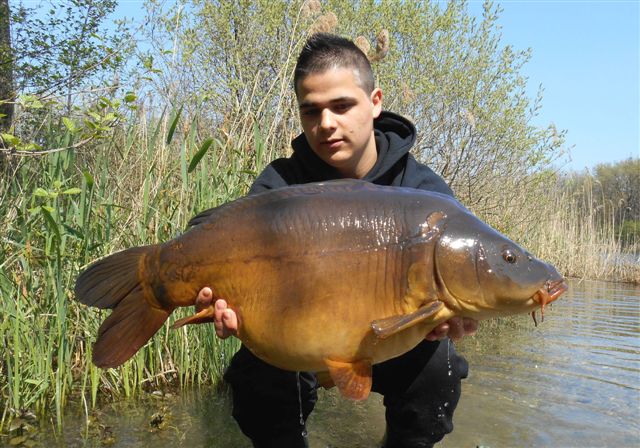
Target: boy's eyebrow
point(341, 99)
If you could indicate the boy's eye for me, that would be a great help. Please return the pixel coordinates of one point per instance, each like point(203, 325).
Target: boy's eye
point(342, 107)
point(309, 112)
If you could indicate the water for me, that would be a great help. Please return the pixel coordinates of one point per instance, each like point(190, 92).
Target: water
point(572, 381)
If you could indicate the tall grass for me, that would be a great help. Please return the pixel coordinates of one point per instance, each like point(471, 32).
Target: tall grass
point(580, 234)
point(61, 211)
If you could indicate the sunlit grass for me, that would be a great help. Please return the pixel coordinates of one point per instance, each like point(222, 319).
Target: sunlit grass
point(61, 211)
point(580, 235)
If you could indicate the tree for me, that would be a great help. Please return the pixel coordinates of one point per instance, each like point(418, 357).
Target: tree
point(439, 65)
point(619, 184)
point(61, 49)
point(7, 93)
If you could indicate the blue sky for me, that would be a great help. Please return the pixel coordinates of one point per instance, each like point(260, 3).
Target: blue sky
point(586, 56)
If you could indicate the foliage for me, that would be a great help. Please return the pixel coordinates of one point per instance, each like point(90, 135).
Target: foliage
point(64, 58)
point(60, 46)
point(613, 190)
point(7, 93)
point(583, 236)
point(439, 65)
point(61, 211)
point(619, 184)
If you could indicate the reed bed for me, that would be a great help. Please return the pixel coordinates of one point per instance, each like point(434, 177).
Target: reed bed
point(580, 233)
point(63, 210)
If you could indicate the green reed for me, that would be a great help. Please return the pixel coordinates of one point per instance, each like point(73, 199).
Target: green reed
point(61, 211)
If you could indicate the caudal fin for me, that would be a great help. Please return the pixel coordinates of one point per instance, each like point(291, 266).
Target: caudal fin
point(114, 282)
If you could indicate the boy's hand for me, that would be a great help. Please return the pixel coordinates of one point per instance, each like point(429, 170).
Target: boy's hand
point(455, 328)
point(225, 319)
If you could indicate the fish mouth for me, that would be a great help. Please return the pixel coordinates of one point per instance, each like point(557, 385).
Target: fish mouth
point(549, 292)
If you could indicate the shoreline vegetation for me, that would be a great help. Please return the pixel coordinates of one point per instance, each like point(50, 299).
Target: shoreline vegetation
point(83, 175)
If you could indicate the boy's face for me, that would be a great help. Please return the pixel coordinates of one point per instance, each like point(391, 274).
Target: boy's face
point(337, 119)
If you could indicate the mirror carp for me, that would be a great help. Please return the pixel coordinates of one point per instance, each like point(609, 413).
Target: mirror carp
point(326, 277)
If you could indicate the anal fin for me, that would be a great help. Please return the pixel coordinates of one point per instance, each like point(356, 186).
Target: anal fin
point(384, 328)
point(352, 378)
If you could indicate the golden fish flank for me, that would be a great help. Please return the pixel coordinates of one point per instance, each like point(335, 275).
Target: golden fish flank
point(392, 262)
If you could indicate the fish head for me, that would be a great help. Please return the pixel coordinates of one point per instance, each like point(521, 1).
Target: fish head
point(483, 274)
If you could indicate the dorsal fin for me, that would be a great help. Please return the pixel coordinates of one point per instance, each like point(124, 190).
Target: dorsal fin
point(326, 187)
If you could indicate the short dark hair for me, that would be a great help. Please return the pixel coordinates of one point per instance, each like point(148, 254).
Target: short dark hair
point(323, 51)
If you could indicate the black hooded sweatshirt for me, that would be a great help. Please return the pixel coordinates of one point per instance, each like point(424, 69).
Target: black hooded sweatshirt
point(394, 166)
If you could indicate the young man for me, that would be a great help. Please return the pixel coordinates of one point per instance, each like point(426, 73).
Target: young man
point(347, 135)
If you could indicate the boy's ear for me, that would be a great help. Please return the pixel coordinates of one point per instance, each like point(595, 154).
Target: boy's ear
point(376, 100)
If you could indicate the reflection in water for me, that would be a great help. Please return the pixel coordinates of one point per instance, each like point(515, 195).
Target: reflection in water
point(572, 381)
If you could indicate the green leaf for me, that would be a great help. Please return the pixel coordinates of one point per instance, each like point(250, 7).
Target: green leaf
point(41, 192)
point(72, 231)
point(172, 128)
point(88, 178)
point(10, 139)
point(73, 190)
point(69, 124)
point(31, 101)
point(200, 154)
point(130, 97)
point(31, 147)
point(46, 212)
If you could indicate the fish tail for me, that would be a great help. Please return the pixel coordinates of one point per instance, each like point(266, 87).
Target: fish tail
point(120, 282)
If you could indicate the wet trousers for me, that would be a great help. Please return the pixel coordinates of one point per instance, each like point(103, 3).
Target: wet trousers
point(421, 390)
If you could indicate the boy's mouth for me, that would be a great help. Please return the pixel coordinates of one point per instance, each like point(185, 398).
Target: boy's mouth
point(332, 143)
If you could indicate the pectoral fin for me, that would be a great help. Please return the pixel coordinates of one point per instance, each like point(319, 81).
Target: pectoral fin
point(201, 317)
point(352, 378)
point(384, 328)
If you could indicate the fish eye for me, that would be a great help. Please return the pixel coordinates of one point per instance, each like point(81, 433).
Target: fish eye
point(508, 256)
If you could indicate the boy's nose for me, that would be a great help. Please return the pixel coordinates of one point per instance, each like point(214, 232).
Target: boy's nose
point(327, 120)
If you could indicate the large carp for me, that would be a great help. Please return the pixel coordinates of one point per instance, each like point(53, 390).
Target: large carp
point(332, 276)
